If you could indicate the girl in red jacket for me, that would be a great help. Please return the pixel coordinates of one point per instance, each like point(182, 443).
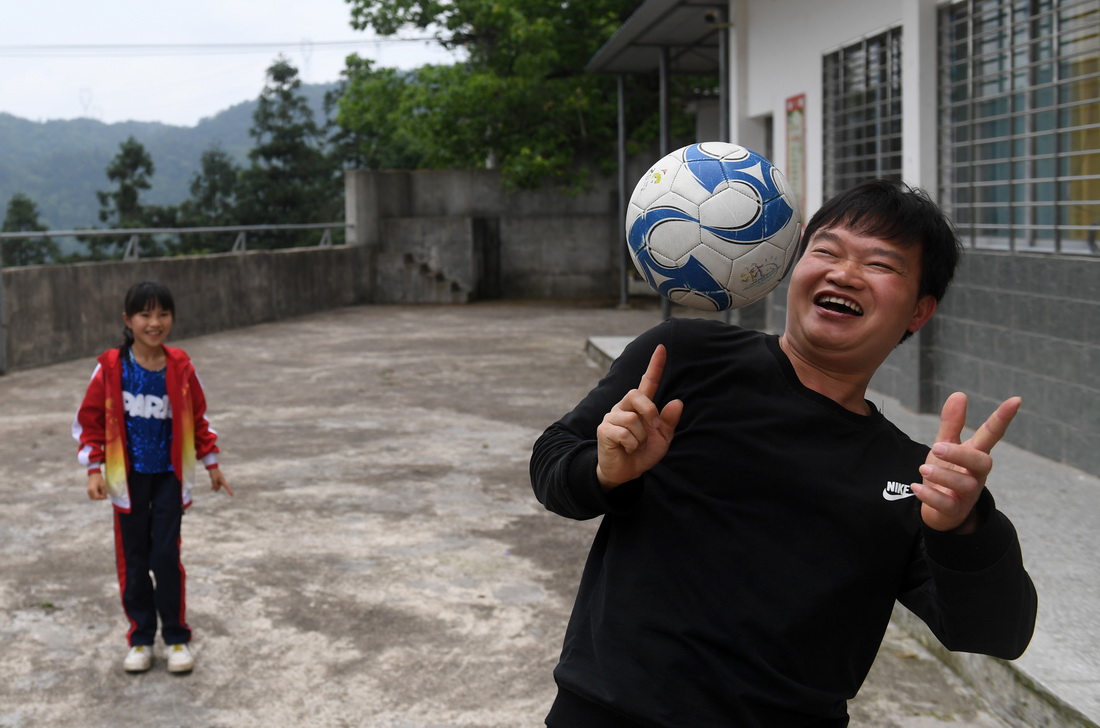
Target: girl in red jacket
point(141, 429)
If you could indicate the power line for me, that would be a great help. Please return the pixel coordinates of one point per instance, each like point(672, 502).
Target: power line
point(167, 49)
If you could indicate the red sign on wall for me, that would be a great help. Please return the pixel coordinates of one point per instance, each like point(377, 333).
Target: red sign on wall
point(796, 148)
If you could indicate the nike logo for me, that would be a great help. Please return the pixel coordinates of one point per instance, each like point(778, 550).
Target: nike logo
point(896, 491)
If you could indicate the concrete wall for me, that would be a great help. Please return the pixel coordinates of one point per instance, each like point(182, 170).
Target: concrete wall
point(417, 237)
point(490, 240)
point(61, 312)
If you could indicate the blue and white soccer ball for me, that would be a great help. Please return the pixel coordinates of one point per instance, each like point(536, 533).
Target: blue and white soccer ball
point(713, 226)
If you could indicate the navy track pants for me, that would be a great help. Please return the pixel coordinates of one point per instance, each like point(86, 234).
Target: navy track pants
point(147, 541)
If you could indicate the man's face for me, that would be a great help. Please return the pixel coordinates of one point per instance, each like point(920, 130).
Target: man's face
point(852, 297)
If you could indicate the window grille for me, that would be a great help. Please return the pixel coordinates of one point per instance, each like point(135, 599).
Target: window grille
point(862, 112)
point(1019, 87)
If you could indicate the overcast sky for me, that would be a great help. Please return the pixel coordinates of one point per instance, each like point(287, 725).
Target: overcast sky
point(45, 75)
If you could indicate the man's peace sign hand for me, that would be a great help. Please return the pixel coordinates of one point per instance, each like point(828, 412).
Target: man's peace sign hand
point(954, 474)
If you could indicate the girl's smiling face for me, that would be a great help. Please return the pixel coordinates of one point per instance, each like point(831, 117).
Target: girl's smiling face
point(150, 327)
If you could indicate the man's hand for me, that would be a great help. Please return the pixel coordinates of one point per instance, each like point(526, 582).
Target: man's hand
point(634, 436)
point(97, 489)
point(955, 473)
point(218, 481)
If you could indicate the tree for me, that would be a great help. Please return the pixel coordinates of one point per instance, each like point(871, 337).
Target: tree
point(212, 203)
point(522, 100)
point(131, 169)
point(377, 113)
point(349, 148)
point(291, 179)
point(22, 217)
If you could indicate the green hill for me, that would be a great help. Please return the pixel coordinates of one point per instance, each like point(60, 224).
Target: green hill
point(61, 164)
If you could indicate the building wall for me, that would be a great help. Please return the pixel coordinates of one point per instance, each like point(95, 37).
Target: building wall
point(1011, 323)
point(1027, 325)
point(783, 59)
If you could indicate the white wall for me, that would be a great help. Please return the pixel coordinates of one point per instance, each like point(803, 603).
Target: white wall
point(782, 42)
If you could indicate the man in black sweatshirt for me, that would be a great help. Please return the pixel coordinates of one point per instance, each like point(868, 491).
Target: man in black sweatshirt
point(760, 516)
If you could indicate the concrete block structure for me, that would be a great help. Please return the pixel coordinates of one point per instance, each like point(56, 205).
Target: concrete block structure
point(480, 240)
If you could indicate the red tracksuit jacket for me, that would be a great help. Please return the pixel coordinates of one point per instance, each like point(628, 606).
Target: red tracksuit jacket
point(99, 425)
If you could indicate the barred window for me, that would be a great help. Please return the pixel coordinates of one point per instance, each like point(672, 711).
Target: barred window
point(862, 112)
point(1020, 123)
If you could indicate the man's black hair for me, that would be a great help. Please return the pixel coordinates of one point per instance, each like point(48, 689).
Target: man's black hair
point(901, 214)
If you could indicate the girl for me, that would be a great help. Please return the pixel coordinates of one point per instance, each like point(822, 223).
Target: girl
point(141, 428)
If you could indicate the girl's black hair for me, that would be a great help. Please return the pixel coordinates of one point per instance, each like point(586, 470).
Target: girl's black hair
point(143, 296)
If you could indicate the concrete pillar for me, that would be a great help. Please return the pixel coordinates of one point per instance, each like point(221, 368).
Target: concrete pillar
point(361, 207)
point(919, 168)
point(736, 126)
point(918, 95)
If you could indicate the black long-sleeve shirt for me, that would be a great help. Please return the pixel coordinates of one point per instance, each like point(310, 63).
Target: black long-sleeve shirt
point(748, 578)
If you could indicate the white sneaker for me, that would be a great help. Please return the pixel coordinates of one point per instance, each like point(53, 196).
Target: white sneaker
point(139, 659)
point(180, 659)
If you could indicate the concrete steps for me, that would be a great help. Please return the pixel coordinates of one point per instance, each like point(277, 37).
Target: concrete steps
point(405, 277)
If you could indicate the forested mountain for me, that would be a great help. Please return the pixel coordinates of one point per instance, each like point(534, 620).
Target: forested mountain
point(61, 164)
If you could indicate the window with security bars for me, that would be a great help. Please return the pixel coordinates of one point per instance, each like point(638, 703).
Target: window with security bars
point(862, 112)
point(1020, 123)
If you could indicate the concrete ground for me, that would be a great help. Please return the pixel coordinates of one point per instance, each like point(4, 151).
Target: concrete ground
point(384, 562)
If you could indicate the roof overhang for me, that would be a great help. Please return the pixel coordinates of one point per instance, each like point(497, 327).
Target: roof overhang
point(687, 28)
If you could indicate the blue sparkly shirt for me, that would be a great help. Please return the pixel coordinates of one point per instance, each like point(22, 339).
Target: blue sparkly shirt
point(148, 417)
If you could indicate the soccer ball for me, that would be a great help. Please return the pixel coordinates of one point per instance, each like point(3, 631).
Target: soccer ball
point(713, 226)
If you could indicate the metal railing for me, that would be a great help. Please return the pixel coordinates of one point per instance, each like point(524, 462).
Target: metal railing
point(132, 250)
